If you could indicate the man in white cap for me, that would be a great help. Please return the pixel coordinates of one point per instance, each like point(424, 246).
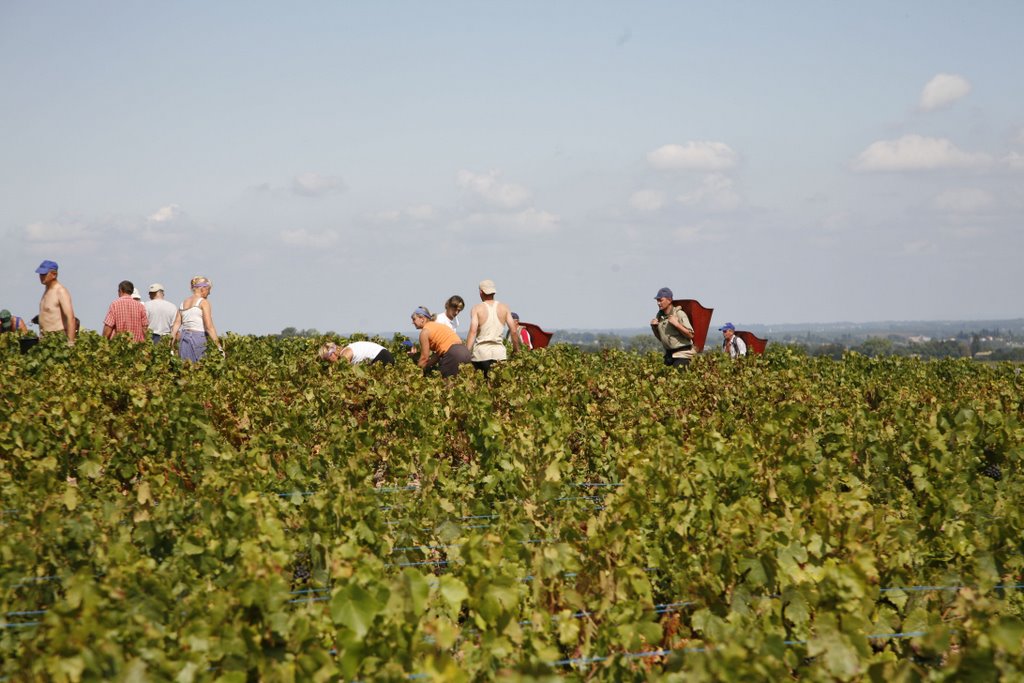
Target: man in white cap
point(487, 328)
point(160, 311)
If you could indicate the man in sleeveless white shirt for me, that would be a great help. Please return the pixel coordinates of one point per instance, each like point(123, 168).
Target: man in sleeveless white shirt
point(487, 329)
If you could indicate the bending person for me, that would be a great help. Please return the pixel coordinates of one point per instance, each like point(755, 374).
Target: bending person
point(356, 353)
point(193, 323)
point(438, 345)
point(12, 323)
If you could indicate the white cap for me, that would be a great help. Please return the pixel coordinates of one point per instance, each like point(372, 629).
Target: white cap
point(136, 295)
point(156, 287)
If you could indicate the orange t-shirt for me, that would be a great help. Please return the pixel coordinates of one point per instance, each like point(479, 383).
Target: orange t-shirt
point(441, 337)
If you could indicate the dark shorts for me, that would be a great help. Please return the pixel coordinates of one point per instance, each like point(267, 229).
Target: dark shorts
point(676, 362)
point(384, 357)
point(484, 366)
point(26, 343)
point(456, 355)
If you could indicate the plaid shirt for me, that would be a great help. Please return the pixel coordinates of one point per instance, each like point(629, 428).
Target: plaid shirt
point(128, 315)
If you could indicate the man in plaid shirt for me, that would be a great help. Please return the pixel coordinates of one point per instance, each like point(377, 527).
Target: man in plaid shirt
point(126, 315)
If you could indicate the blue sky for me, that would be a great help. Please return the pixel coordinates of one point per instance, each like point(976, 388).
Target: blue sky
point(335, 164)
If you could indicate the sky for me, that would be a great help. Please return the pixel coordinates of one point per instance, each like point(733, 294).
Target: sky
point(333, 165)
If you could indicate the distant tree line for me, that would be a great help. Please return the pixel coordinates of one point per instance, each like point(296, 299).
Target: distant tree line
point(963, 346)
point(873, 347)
point(294, 332)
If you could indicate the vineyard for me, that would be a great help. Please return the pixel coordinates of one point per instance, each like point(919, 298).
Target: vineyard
point(266, 517)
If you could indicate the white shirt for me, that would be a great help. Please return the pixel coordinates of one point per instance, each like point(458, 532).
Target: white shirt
point(736, 347)
point(161, 314)
point(363, 351)
point(447, 322)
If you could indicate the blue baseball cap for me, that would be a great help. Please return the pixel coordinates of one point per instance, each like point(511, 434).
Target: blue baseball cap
point(664, 293)
point(727, 326)
point(46, 266)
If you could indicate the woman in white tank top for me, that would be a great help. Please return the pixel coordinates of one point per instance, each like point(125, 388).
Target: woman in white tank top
point(193, 324)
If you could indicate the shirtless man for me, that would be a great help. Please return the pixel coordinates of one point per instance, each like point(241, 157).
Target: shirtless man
point(56, 314)
point(487, 322)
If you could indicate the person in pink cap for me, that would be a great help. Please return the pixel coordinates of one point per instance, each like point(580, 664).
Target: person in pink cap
point(194, 323)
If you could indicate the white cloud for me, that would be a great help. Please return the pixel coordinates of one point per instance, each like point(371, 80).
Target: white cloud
point(385, 216)
point(943, 90)
point(421, 212)
point(69, 230)
point(836, 222)
point(529, 221)
point(1015, 160)
point(716, 192)
point(919, 247)
point(305, 238)
point(1019, 137)
point(688, 235)
point(964, 200)
point(968, 232)
point(165, 213)
point(417, 212)
point(694, 156)
point(916, 153)
point(312, 184)
point(647, 200)
point(167, 225)
point(490, 189)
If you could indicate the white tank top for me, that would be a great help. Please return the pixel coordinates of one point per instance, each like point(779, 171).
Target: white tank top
point(488, 344)
point(192, 317)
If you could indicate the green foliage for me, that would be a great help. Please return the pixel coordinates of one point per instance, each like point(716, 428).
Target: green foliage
point(270, 517)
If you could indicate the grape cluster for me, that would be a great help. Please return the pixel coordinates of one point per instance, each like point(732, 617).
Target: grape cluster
point(301, 572)
point(992, 471)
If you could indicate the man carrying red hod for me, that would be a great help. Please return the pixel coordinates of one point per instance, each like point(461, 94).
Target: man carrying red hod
point(673, 329)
